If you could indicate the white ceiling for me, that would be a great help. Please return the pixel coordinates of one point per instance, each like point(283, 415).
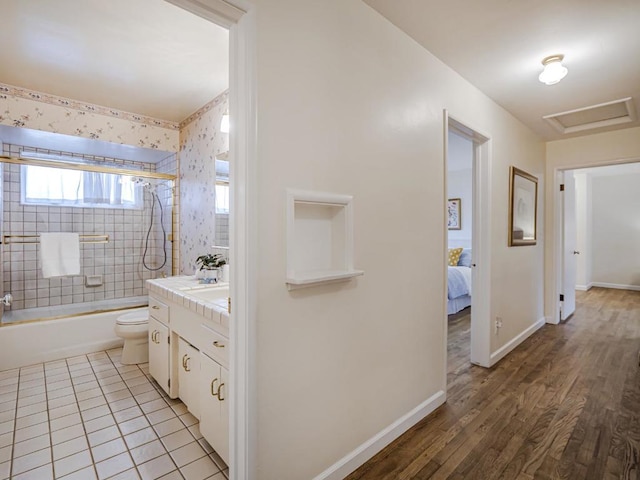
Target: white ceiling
point(152, 58)
point(141, 56)
point(498, 45)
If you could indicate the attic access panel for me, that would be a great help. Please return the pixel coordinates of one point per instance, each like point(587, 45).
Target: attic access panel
point(594, 116)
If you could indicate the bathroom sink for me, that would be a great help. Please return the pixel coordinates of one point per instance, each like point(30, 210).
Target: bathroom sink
point(192, 285)
point(209, 293)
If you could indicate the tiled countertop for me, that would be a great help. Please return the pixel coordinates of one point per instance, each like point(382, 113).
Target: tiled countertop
point(177, 290)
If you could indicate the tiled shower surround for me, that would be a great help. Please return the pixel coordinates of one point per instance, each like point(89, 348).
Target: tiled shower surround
point(118, 262)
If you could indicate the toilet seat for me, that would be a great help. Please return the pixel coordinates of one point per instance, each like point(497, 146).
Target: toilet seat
point(133, 318)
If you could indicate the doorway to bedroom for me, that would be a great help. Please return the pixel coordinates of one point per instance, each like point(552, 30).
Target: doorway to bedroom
point(460, 156)
point(467, 164)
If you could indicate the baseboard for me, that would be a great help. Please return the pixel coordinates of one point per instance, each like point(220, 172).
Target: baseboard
point(584, 288)
point(616, 286)
point(368, 449)
point(505, 349)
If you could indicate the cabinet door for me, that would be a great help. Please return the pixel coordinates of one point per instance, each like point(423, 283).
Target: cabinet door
point(223, 424)
point(159, 353)
point(189, 376)
point(214, 413)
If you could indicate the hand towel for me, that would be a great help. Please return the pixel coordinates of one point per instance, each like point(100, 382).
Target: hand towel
point(60, 254)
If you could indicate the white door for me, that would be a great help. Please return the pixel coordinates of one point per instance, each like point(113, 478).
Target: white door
point(189, 376)
point(569, 248)
point(159, 353)
point(214, 410)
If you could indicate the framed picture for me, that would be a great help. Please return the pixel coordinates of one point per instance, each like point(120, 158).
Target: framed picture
point(454, 214)
point(523, 208)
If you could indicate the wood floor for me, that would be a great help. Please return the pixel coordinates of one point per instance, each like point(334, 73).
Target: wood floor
point(564, 404)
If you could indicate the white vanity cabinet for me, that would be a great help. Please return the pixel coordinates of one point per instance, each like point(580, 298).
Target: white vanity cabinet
point(189, 353)
point(189, 376)
point(214, 424)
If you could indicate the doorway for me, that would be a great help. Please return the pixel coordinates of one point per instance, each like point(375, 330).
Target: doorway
point(476, 238)
point(460, 160)
point(595, 240)
point(239, 17)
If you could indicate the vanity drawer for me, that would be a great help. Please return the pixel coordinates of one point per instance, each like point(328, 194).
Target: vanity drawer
point(215, 345)
point(158, 310)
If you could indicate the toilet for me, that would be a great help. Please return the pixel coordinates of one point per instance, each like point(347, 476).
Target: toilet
point(133, 327)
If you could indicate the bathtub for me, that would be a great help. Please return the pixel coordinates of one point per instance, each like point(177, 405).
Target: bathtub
point(66, 333)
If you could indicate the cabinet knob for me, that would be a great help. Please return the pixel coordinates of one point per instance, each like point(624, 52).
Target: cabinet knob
point(218, 344)
point(220, 397)
point(155, 307)
point(213, 387)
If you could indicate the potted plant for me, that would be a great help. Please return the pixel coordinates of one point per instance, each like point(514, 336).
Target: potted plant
point(209, 264)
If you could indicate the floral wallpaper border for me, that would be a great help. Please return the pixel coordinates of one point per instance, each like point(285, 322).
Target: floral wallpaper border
point(222, 98)
point(85, 107)
point(22, 108)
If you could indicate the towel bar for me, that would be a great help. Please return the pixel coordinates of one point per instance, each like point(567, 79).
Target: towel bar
point(32, 239)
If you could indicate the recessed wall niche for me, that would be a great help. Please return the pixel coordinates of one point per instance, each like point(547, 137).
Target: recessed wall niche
point(319, 238)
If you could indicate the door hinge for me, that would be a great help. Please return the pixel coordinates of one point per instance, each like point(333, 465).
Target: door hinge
point(561, 297)
point(562, 187)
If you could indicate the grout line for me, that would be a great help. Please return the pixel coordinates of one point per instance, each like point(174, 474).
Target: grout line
point(84, 428)
point(46, 395)
point(15, 420)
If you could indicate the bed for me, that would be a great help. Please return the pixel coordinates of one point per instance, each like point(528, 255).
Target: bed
point(459, 284)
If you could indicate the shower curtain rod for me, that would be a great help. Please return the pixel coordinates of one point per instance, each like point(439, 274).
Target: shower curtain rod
point(86, 168)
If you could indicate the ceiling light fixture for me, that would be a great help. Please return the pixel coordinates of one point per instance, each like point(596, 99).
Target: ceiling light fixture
point(553, 71)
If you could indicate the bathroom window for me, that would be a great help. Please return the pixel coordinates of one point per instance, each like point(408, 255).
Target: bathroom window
point(222, 197)
point(222, 186)
point(76, 188)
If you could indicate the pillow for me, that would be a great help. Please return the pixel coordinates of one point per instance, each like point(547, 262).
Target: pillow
point(465, 258)
point(454, 256)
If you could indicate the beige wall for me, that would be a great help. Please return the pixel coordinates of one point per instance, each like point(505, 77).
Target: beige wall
point(616, 232)
point(598, 149)
point(349, 104)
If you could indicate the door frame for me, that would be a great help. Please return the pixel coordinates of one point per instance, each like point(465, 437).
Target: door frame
point(481, 241)
point(558, 227)
point(239, 16)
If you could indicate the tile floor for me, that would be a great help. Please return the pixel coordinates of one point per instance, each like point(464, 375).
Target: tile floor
point(89, 417)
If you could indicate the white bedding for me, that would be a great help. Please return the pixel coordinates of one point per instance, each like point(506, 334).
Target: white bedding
point(465, 273)
point(461, 302)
